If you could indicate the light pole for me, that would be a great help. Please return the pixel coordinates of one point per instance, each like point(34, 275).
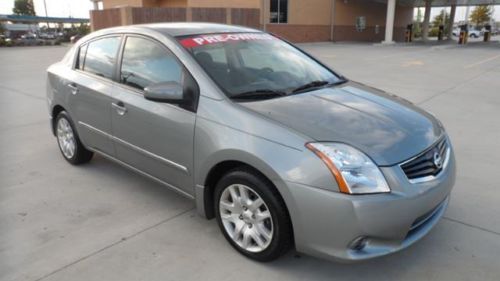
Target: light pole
point(467, 10)
point(46, 14)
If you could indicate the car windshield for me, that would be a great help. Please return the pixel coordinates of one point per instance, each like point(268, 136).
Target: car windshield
point(257, 65)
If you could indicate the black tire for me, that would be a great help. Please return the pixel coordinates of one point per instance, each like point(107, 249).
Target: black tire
point(282, 238)
point(81, 154)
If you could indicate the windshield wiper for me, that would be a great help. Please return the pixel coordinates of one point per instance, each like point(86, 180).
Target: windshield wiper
point(310, 85)
point(259, 94)
point(316, 84)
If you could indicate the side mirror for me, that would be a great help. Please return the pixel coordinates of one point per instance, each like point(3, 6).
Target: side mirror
point(169, 92)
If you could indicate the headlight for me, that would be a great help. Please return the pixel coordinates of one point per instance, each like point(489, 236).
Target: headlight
point(354, 172)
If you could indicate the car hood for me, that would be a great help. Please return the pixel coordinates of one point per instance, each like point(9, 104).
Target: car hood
point(387, 128)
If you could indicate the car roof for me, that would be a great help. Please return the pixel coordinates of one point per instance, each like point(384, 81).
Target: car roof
point(182, 28)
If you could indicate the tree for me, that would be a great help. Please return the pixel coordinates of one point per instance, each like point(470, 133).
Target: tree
point(481, 15)
point(24, 7)
point(442, 19)
point(419, 15)
point(83, 29)
point(417, 24)
point(2, 29)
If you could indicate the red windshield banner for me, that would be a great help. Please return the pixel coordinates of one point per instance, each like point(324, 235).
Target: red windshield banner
point(201, 40)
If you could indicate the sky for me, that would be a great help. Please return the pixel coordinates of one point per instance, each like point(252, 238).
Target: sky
point(80, 9)
point(55, 8)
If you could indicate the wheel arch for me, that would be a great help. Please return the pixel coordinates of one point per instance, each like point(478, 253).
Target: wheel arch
point(213, 172)
point(53, 114)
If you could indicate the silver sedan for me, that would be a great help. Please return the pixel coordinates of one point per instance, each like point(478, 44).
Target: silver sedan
point(281, 150)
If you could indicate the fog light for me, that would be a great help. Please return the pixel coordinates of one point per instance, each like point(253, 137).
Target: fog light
point(358, 244)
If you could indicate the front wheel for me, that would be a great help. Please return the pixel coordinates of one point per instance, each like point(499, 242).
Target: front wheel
point(252, 215)
point(67, 138)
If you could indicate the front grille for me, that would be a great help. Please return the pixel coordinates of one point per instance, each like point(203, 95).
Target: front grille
point(429, 163)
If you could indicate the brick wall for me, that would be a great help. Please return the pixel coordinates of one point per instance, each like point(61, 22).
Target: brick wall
point(300, 33)
point(344, 30)
point(136, 15)
point(148, 15)
point(105, 18)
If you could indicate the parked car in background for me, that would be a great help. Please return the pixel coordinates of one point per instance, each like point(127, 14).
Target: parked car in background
point(473, 33)
point(75, 38)
point(28, 39)
point(279, 148)
point(48, 36)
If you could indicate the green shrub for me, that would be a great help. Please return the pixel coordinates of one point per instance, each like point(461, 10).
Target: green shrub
point(433, 32)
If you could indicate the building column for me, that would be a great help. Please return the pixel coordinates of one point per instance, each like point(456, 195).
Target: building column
point(389, 22)
point(332, 19)
point(189, 14)
point(427, 18)
point(229, 15)
point(264, 14)
point(452, 19)
point(126, 15)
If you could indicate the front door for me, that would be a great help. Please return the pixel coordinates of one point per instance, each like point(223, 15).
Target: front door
point(154, 137)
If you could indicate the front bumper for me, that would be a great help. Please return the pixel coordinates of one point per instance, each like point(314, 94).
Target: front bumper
point(326, 223)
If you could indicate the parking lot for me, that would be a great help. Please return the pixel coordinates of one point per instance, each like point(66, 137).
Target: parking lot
point(102, 222)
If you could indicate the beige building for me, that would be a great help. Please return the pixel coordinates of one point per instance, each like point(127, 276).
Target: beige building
point(296, 20)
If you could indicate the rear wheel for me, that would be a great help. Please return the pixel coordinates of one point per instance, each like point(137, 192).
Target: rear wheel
point(69, 143)
point(252, 215)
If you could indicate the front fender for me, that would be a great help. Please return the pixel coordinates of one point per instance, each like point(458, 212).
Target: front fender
point(216, 143)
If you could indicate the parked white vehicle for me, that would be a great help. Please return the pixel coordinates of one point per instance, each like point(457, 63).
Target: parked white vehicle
point(473, 33)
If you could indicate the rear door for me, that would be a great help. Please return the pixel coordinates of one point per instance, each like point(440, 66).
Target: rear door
point(155, 137)
point(91, 92)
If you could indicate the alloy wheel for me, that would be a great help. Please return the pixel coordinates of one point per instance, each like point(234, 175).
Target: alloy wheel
point(246, 218)
point(66, 138)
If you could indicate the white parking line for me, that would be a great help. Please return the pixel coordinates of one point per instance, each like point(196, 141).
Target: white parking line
point(483, 61)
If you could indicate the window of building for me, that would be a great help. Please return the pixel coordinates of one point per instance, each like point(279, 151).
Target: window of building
point(279, 11)
point(146, 63)
point(360, 23)
point(100, 57)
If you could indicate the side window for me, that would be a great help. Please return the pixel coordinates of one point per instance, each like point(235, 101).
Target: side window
point(81, 57)
point(146, 63)
point(100, 56)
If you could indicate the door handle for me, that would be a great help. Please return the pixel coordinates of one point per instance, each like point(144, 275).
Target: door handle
point(73, 87)
point(120, 107)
